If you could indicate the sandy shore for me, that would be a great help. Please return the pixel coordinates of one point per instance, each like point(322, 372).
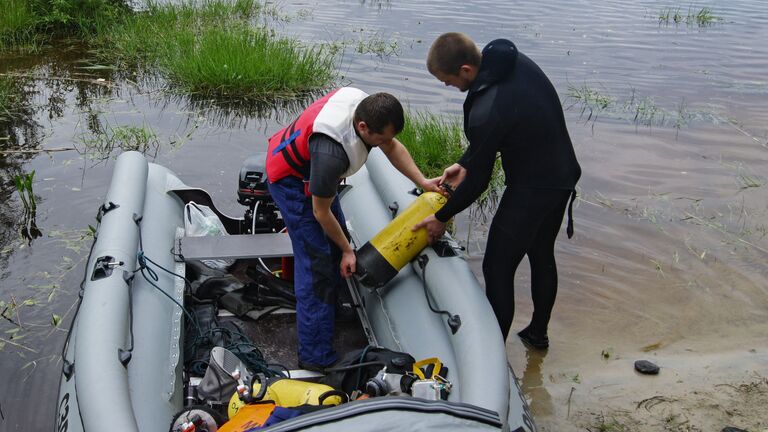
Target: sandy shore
point(586, 381)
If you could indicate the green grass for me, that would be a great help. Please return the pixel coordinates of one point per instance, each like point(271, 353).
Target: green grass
point(437, 142)
point(213, 48)
point(24, 189)
point(589, 96)
point(26, 25)
point(434, 142)
point(699, 17)
point(101, 145)
point(144, 38)
point(203, 47)
point(636, 109)
point(376, 44)
point(16, 20)
point(248, 63)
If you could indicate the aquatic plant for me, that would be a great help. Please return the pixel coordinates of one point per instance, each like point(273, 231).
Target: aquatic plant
point(106, 140)
point(698, 17)
point(249, 63)
point(214, 48)
point(29, 230)
point(592, 101)
point(436, 142)
point(27, 24)
point(639, 110)
point(16, 22)
point(23, 184)
point(377, 45)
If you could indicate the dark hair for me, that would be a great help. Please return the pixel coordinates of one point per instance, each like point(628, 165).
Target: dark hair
point(380, 110)
point(450, 51)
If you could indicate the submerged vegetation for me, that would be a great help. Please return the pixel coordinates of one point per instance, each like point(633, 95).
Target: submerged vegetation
point(699, 17)
point(643, 111)
point(100, 146)
point(205, 47)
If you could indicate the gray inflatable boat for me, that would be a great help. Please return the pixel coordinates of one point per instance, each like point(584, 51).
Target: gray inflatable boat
point(123, 363)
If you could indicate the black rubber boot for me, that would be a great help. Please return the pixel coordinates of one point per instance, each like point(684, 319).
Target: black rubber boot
point(531, 341)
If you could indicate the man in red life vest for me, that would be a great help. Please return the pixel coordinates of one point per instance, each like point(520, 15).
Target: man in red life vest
point(306, 161)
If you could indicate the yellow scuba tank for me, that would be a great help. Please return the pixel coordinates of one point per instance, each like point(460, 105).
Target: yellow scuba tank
point(379, 260)
point(288, 393)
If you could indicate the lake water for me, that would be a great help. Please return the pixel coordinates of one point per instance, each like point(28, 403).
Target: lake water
point(669, 258)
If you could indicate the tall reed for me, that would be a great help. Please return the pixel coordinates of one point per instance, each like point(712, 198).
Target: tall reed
point(16, 24)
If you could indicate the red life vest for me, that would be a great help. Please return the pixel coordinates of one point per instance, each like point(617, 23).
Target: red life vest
point(288, 150)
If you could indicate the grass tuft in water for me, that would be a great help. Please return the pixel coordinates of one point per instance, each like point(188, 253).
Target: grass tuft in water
point(248, 63)
point(591, 100)
point(214, 48)
point(100, 146)
point(640, 110)
point(29, 229)
point(434, 142)
point(437, 142)
point(378, 45)
point(699, 17)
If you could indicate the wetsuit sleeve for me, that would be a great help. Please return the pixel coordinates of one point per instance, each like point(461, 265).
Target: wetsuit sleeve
point(485, 135)
point(328, 162)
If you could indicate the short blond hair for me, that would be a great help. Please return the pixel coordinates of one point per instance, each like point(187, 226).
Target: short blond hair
point(450, 51)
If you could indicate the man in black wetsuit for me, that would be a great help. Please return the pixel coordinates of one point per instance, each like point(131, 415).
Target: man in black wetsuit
point(513, 109)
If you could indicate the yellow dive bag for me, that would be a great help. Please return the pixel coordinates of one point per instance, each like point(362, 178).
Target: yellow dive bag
point(286, 392)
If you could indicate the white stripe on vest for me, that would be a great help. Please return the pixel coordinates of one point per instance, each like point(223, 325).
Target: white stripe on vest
point(335, 119)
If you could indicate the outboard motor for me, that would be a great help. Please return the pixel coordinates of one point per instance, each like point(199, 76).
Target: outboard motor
point(261, 215)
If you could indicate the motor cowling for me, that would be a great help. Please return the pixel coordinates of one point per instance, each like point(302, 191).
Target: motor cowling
point(261, 214)
point(252, 186)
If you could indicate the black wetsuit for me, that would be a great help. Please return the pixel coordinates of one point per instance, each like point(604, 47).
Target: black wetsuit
point(513, 109)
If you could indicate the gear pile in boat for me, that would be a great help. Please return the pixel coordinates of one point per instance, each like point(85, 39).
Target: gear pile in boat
point(242, 330)
point(230, 384)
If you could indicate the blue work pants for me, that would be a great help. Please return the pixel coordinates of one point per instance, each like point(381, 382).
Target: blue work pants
point(316, 270)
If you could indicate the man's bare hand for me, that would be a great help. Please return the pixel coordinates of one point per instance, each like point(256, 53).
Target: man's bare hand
point(453, 176)
point(435, 228)
point(432, 185)
point(348, 263)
